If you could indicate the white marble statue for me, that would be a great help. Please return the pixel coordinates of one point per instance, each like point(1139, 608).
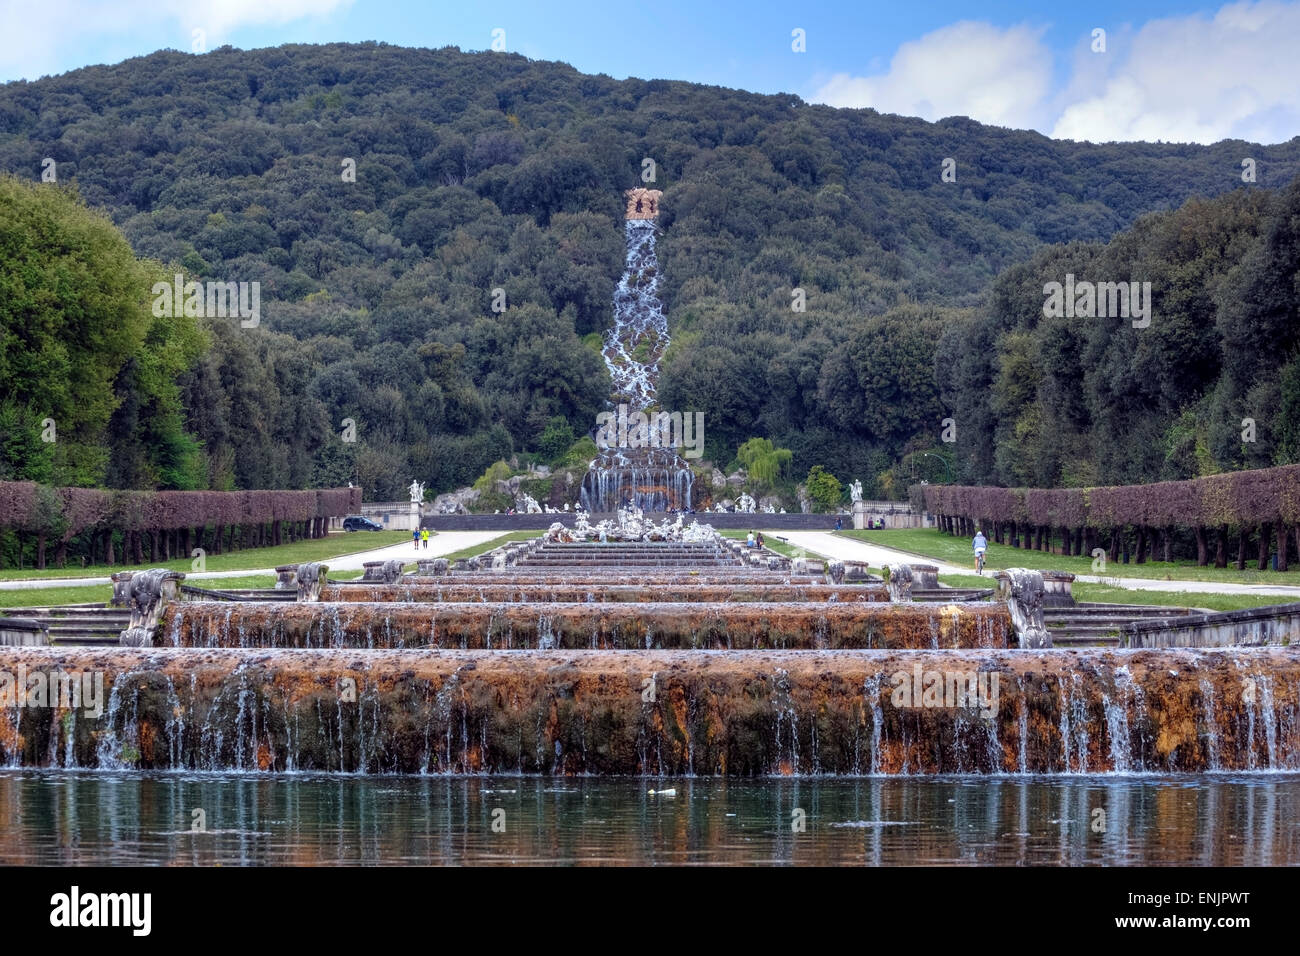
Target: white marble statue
point(855, 490)
point(417, 492)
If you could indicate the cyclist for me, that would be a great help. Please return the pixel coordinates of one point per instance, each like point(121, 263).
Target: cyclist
point(980, 546)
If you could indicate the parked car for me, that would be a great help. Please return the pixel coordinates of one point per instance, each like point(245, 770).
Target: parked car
point(360, 523)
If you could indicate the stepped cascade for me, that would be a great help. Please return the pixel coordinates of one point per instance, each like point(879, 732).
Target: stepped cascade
point(639, 645)
point(694, 655)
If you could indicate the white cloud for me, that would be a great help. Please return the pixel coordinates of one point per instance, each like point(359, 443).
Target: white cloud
point(1193, 78)
point(966, 69)
point(1199, 79)
point(221, 16)
point(36, 36)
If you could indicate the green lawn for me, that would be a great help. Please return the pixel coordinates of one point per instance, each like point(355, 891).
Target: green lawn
point(101, 593)
point(475, 550)
point(1107, 594)
point(299, 552)
point(930, 543)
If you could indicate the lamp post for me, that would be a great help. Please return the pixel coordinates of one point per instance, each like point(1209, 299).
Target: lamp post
point(947, 465)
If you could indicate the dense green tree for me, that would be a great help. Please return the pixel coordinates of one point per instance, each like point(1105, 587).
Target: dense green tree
point(824, 289)
point(824, 489)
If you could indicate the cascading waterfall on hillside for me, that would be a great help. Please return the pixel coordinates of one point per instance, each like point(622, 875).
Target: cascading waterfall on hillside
point(649, 478)
point(636, 342)
point(652, 479)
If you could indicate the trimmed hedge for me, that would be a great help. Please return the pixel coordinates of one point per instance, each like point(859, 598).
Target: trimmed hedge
point(1234, 498)
point(1265, 501)
point(61, 515)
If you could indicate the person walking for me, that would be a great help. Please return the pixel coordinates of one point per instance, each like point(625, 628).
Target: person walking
point(415, 538)
point(424, 536)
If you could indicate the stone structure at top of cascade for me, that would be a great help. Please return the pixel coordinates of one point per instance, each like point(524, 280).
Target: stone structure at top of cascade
point(642, 203)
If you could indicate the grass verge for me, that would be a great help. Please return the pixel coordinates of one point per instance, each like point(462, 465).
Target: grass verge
point(930, 543)
point(297, 552)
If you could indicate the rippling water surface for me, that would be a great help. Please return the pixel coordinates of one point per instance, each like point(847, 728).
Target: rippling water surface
point(59, 818)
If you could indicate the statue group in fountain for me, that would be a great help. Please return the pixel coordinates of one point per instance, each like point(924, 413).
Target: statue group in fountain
point(528, 505)
point(631, 524)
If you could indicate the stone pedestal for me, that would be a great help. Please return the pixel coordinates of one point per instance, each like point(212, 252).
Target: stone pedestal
point(925, 577)
point(429, 567)
point(1057, 590)
point(859, 515)
point(23, 632)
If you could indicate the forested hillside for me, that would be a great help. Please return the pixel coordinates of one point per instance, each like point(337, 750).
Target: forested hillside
point(476, 172)
point(1211, 384)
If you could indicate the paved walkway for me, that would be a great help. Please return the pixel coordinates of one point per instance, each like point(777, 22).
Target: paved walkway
point(445, 542)
point(847, 549)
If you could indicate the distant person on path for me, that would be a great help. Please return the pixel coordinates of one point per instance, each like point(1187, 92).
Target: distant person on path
point(758, 539)
point(749, 540)
point(980, 545)
point(415, 538)
point(424, 536)
point(839, 524)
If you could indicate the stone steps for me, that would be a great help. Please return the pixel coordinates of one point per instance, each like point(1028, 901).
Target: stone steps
point(75, 625)
point(1100, 625)
point(951, 594)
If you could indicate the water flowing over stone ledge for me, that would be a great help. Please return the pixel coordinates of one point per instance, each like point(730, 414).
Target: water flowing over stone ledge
point(602, 592)
point(664, 712)
point(508, 626)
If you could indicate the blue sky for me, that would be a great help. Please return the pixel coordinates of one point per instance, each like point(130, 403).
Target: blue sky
point(1170, 70)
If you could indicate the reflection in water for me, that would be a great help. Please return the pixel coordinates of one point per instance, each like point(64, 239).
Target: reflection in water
point(60, 818)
